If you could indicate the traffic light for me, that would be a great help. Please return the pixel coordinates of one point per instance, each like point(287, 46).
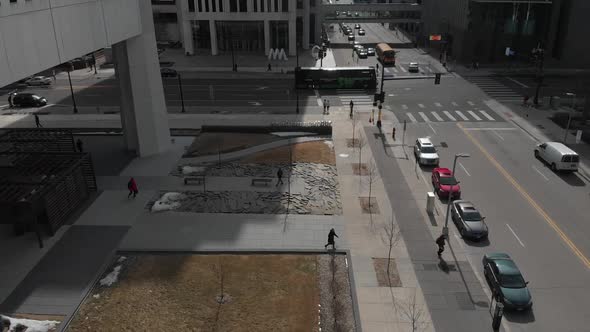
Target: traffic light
point(437, 79)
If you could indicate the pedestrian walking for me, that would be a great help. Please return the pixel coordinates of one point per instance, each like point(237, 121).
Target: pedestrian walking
point(393, 133)
point(53, 72)
point(525, 101)
point(440, 241)
point(351, 107)
point(79, 145)
point(324, 104)
point(10, 96)
point(37, 121)
point(331, 239)
point(372, 119)
point(377, 67)
point(279, 176)
point(269, 67)
point(327, 106)
point(132, 186)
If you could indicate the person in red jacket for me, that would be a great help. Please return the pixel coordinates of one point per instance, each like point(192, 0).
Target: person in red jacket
point(132, 186)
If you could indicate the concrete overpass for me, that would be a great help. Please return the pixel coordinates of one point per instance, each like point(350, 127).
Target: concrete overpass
point(36, 35)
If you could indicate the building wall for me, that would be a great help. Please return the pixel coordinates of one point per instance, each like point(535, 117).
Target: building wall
point(38, 34)
point(574, 46)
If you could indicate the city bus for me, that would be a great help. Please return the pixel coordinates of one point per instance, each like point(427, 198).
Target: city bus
point(385, 54)
point(335, 78)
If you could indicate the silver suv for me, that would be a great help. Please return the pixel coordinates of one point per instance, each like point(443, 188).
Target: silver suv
point(425, 152)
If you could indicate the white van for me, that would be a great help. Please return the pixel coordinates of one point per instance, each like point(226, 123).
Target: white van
point(558, 156)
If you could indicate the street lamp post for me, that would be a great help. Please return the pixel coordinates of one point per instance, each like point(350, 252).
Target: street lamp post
point(446, 228)
point(181, 95)
point(569, 118)
point(72, 90)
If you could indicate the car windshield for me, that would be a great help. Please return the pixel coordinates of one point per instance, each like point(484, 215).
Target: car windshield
point(428, 149)
point(512, 281)
point(448, 180)
point(472, 216)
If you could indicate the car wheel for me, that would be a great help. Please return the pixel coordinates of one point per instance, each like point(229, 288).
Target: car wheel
point(537, 154)
point(554, 167)
point(462, 231)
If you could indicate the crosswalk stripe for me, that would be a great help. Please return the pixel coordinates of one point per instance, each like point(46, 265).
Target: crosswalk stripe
point(411, 117)
point(455, 104)
point(424, 117)
point(427, 69)
point(421, 105)
point(403, 69)
point(436, 116)
point(462, 115)
point(484, 113)
point(474, 115)
point(470, 103)
point(449, 115)
point(438, 104)
point(405, 107)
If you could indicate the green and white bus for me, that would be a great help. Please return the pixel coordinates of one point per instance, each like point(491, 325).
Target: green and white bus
point(335, 78)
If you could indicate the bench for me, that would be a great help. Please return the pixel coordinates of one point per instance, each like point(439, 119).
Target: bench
point(197, 180)
point(265, 182)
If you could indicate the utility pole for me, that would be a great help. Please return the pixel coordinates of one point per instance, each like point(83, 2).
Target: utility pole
point(446, 228)
point(539, 55)
point(71, 88)
point(181, 95)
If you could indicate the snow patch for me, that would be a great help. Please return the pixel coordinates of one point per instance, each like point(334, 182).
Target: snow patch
point(292, 133)
point(32, 325)
point(330, 144)
point(192, 169)
point(121, 259)
point(168, 201)
point(112, 277)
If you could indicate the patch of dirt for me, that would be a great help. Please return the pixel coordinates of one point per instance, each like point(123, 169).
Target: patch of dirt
point(180, 292)
point(209, 143)
point(366, 208)
point(380, 265)
point(318, 152)
point(336, 309)
point(360, 169)
point(352, 143)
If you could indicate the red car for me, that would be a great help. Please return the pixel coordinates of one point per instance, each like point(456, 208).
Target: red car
point(444, 182)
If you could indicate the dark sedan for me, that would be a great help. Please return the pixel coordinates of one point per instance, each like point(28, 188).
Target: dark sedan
point(468, 220)
point(506, 281)
point(28, 100)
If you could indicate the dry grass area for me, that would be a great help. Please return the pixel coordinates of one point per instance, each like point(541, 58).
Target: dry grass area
point(359, 169)
point(177, 292)
point(372, 208)
point(308, 152)
point(209, 143)
point(380, 265)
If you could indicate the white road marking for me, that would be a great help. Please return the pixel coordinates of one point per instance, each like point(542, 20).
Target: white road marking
point(403, 69)
point(517, 82)
point(516, 236)
point(391, 95)
point(438, 104)
point(449, 116)
point(462, 116)
point(434, 131)
point(474, 115)
point(502, 138)
point(436, 116)
point(490, 128)
point(455, 104)
point(421, 105)
point(405, 107)
point(411, 117)
point(538, 171)
point(484, 113)
point(470, 103)
point(395, 70)
point(459, 240)
point(464, 169)
point(424, 117)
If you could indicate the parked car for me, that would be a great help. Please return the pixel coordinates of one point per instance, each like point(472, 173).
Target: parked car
point(413, 67)
point(168, 72)
point(425, 152)
point(38, 80)
point(370, 51)
point(445, 184)
point(506, 281)
point(28, 100)
point(357, 26)
point(558, 156)
point(351, 38)
point(468, 220)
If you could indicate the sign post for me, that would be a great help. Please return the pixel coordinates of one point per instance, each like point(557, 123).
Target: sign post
point(404, 134)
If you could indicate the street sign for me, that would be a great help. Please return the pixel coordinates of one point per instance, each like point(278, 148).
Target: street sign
point(436, 37)
point(578, 136)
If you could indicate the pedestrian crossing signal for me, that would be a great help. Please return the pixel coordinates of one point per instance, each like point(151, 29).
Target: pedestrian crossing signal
point(437, 79)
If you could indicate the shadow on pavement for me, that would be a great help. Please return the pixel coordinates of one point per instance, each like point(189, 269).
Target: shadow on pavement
point(520, 316)
point(482, 304)
point(572, 179)
point(479, 244)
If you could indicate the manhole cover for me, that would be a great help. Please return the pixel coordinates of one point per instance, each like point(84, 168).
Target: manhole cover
point(444, 144)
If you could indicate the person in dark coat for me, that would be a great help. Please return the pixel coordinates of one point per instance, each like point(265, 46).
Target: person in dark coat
point(80, 145)
point(279, 177)
point(37, 121)
point(331, 239)
point(351, 108)
point(10, 96)
point(440, 241)
point(269, 67)
point(132, 186)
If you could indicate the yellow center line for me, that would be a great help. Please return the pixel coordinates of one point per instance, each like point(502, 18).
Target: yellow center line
point(531, 201)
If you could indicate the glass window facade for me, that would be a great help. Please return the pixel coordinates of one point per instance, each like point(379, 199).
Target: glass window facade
point(243, 36)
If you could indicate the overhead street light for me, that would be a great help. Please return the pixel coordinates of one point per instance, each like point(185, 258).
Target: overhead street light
point(445, 231)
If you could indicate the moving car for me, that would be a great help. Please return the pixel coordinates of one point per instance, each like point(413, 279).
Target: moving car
point(445, 184)
point(361, 32)
point(468, 220)
point(357, 26)
point(362, 52)
point(346, 31)
point(413, 67)
point(558, 156)
point(349, 14)
point(38, 80)
point(425, 152)
point(506, 281)
point(168, 72)
point(28, 100)
point(351, 38)
point(371, 51)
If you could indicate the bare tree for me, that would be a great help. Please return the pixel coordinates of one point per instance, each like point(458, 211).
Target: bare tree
point(414, 312)
point(392, 237)
point(372, 177)
point(361, 142)
point(354, 123)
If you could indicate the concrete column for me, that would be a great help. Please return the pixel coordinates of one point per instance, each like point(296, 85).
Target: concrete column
point(250, 6)
point(266, 37)
point(143, 108)
point(187, 37)
point(213, 30)
point(305, 22)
